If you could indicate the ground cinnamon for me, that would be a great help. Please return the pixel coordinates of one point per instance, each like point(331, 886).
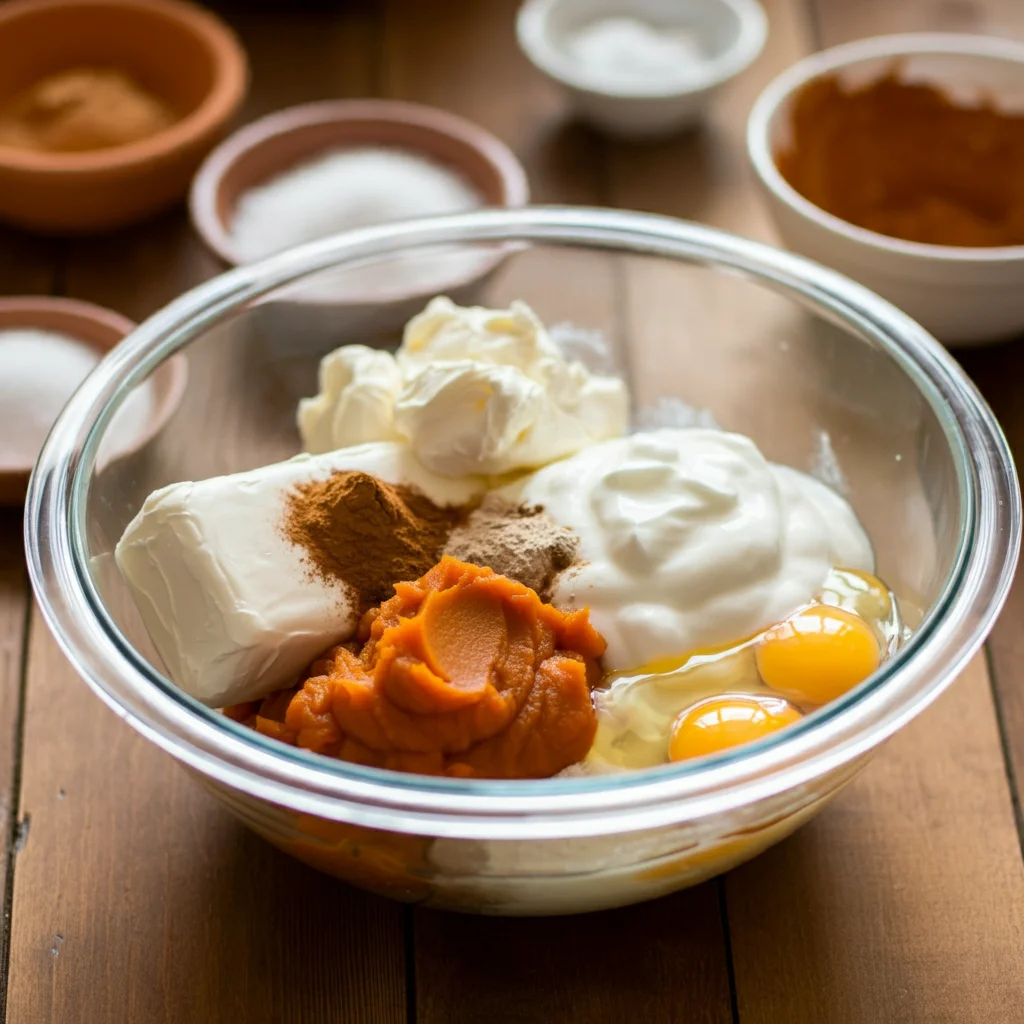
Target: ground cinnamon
point(365, 533)
point(903, 159)
point(82, 109)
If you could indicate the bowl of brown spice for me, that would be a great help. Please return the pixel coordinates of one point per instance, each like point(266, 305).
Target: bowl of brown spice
point(899, 161)
point(108, 106)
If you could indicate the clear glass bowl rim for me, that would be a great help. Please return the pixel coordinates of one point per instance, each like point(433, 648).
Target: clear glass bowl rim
point(214, 746)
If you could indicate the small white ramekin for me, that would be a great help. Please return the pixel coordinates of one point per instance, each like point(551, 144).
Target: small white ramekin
point(733, 33)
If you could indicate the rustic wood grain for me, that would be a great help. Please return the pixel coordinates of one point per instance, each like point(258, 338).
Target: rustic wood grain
point(996, 371)
point(839, 22)
point(904, 900)
point(137, 898)
point(13, 610)
point(26, 268)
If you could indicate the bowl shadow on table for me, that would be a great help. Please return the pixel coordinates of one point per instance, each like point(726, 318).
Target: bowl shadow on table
point(459, 960)
point(265, 921)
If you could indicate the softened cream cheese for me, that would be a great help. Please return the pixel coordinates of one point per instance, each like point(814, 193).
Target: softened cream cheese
point(472, 390)
point(229, 603)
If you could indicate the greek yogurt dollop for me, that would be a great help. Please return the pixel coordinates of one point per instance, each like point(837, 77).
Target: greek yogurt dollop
point(690, 538)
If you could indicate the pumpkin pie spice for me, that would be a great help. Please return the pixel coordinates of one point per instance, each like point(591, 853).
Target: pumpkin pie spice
point(903, 159)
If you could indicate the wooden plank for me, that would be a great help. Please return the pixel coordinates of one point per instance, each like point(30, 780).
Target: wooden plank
point(839, 22)
point(13, 611)
point(137, 898)
point(904, 900)
point(26, 268)
point(998, 370)
point(575, 968)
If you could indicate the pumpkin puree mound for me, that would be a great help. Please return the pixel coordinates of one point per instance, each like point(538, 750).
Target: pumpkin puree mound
point(462, 672)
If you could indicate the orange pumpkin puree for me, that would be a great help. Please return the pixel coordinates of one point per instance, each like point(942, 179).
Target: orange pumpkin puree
point(463, 672)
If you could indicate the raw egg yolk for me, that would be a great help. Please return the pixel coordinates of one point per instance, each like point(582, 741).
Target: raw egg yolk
point(817, 654)
point(717, 723)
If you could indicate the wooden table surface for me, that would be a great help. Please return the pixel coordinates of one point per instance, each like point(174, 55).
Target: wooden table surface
point(131, 896)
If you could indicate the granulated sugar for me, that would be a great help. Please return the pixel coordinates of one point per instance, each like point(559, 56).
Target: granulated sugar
point(633, 54)
point(353, 188)
point(39, 372)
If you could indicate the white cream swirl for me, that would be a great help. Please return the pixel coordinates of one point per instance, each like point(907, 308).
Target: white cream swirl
point(690, 538)
point(479, 391)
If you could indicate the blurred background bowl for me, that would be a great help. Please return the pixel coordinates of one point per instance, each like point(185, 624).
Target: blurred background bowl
point(179, 52)
point(289, 138)
point(729, 33)
point(100, 329)
point(964, 296)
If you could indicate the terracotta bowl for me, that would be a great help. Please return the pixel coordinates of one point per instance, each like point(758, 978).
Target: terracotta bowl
point(102, 329)
point(274, 144)
point(180, 52)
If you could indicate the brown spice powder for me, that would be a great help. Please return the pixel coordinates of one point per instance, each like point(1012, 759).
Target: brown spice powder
point(904, 159)
point(365, 533)
point(518, 541)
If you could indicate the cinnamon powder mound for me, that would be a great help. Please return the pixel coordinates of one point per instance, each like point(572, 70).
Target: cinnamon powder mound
point(366, 533)
point(904, 159)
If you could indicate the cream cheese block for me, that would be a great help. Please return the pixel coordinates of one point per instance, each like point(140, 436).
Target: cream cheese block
point(227, 599)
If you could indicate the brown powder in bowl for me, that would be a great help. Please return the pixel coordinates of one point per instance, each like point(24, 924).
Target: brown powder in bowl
point(83, 109)
point(365, 533)
point(517, 541)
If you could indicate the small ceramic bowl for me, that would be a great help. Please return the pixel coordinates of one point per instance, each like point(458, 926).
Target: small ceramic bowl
point(101, 329)
point(729, 34)
point(178, 51)
point(280, 142)
point(964, 296)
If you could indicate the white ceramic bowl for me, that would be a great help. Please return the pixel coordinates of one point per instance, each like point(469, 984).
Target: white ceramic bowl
point(730, 32)
point(964, 296)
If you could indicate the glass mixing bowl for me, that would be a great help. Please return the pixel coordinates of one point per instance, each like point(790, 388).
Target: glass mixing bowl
point(823, 375)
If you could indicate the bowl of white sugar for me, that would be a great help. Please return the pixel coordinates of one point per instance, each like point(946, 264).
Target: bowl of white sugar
point(321, 169)
point(641, 68)
point(48, 346)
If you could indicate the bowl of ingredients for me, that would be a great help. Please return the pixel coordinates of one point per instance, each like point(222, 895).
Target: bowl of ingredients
point(478, 624)
point(641, 68)
point(312, 171)
point(108, 106)
point(899, 161)
point(47, 348)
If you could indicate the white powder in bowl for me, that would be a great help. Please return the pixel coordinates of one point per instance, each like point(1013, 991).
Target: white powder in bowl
point(39, 372)
point(630, 53)
point(128, 423)
point(353, 188)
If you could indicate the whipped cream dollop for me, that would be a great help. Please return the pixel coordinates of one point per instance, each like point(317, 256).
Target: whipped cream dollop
point(690, 538)
point(228, 600)
point(358, 389)
point(472, 391)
